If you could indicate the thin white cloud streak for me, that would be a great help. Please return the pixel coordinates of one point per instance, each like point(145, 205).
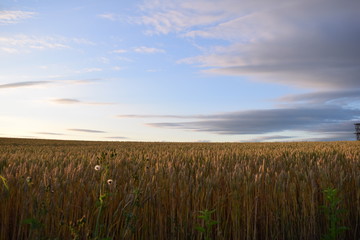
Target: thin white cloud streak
point(81, 41)
point(25, 84)
point(22, 43)
point(116, 17)
point(120, 51)
point(89, 70)
point(10, 50)
point(33, 42)
point(272, 138)
point(117, 68)
point(73, 101)
point(141, 49)
point(144, 49)
point(108, 16)
point(13, 17)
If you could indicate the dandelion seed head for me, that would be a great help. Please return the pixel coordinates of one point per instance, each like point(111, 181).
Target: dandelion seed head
point(97, 168)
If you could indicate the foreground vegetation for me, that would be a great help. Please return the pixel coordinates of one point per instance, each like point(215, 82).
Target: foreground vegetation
point(51, 190)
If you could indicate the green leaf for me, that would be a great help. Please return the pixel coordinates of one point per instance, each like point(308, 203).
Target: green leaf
point(34, 223)
point(4, 182)
point(212, 222)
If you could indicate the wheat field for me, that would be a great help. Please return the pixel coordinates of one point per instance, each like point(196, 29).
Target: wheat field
point(51, 190)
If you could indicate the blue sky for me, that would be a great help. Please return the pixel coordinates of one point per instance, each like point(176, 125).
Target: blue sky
point(156, 70)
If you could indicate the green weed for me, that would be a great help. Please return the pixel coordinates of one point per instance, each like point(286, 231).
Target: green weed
point(332, 213)
point(208, 223)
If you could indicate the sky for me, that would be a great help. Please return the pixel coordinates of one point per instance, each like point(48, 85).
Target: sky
point(180, 70)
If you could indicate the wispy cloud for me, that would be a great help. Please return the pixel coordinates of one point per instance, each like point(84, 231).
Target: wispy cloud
point(89, 70)
point(81, 41)
point(66, 101)
point(272, 138)
point(109, 16)
point(12, 17)
point(9, 50)
point(82, 81)
point(141, 49)
point(32, 42)
point(117, 68)
point(22, 84)
point(120, 51)
point(341, 97)
point(330, 137)
point(49, 133)
point(117, 138)
point(22, 43)
point(77, 101)
point(25, 84)
point(85, 130)
point(162, 116)
point(144, 49)
point(178, 16)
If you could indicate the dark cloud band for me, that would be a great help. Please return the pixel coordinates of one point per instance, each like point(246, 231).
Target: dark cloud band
point(85, 130)
point(326, 120)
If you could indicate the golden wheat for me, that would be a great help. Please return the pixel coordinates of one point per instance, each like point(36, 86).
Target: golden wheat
point(156, 190)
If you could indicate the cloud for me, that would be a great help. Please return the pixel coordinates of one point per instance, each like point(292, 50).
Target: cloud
point(9, 50)
point(308, 61)
point(82, 81)
point(76, 101)
point(308, 44)
point(272, 138)
point(116, 17)
point(320, 119)
point(118, 138)
point(49, 133)
point(117, 68)
point(32, 42)
point(331, 137)
point(82, 41)
point(85, 130)
point(66, 101)
point(12, 17)
point(25, 84)
point(104, 60)
point(120, 51)
point(341, 97)
point(177, 16)
point(161, 116)
point(203, 141)
point(108, 16)
point(22, 43)
point(44, 83)
point(143, 49)
point(89, 70)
